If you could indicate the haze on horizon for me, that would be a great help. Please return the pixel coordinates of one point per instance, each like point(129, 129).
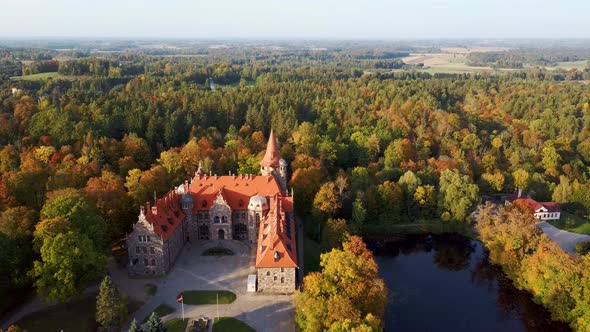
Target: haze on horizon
point(340, 19)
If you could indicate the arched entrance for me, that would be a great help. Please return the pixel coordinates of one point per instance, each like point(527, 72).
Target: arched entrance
point(221, 234)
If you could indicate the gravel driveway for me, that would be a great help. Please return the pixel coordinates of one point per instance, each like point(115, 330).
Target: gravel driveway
point(566, 240)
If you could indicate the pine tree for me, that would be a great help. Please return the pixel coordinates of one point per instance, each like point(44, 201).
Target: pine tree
point(134, 327)
point(154, 324)
point(111, 307)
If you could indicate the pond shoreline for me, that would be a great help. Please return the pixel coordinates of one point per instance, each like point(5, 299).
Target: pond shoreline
point(439, 276)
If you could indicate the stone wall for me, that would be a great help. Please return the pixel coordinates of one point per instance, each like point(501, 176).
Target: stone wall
point(276, 280)
point(174, 244)
point(145, 246)
point(221, 213)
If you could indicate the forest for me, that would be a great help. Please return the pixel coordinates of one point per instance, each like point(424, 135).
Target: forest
point(369, 148)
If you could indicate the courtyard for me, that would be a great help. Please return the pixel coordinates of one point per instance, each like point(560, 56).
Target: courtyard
point(193, 271)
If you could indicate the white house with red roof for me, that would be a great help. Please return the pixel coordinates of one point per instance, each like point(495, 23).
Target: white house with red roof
point(541, 210)
point(256, 209)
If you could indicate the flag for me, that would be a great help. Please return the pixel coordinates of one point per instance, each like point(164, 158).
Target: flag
point(179, 299)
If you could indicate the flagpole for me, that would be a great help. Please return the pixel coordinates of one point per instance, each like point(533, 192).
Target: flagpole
point(217, 307)
point(182, 305)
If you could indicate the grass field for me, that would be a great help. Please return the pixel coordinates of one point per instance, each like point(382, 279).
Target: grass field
point(38, 77)
point(176, 325)
point(207, 297)
point(151, 289)
point(572, 223)
point(162, 310)
point(78, 315)
point(571, 65)
point(230, 324)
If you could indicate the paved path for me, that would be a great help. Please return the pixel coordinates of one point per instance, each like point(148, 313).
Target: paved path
point(195, 272)
point(566, 240)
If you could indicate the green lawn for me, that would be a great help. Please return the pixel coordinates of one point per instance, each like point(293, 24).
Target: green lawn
point(162, 310)
point(572, 223)
point(151, 289)
point(176, 325)
point(230, 324)
point(218, 251)
point(78, 315)
point(38, 77)
point(207, 297)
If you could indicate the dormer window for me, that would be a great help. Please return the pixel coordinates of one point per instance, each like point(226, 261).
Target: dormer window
point(276, 256)
point(204, 203)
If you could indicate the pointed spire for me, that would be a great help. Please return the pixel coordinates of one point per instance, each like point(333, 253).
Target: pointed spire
point(272, 156)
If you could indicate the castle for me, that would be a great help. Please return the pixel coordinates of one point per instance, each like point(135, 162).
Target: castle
point(252, 208)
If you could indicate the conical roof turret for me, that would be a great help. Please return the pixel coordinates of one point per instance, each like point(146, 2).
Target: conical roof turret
point(272, 156)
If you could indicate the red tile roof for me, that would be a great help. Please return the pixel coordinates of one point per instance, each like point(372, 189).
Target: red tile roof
point(551, 206)
point(166, 216)
point(276, 236)
point(237, 189)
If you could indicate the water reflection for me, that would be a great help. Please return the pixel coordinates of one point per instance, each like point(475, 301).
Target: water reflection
point(445, 283)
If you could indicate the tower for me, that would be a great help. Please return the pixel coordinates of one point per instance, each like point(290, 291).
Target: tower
point(272, 164)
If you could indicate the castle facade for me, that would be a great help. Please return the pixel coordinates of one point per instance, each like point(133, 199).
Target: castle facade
point(252, 208)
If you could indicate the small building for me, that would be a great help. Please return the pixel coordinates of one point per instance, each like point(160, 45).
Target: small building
point(541, 210)
point(251, 283)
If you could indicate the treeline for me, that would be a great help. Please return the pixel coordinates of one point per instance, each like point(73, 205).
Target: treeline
point(40, 67)
point(373, 149)
point(536, 264)
point(517, 58)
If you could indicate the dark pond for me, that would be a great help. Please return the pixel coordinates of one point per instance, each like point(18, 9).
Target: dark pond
point(445, 283)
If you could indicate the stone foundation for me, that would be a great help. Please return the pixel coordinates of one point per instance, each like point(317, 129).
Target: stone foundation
point(276, 280)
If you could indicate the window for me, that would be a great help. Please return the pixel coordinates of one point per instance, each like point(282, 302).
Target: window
point(140, 238)
point(152, 250)
point(145, 262)
point(275, 278)
point(144, 250)
point(224, 220)
point(137, 250)
point(282, 270)
point(268, 273)
point(282, 280)
point(216, 220)
point(243, 215)
point(153, 262)
point(257, 218)
point(148, 238)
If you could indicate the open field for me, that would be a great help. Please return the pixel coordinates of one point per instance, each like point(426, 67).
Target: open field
point(38, 77)
point(454, 60)
point(571, 65)
point(451, 60)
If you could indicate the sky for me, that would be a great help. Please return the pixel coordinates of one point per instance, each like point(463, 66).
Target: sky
point(279, 19)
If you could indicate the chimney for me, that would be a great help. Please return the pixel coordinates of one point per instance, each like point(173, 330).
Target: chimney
point(519, 192)
point(185, 186)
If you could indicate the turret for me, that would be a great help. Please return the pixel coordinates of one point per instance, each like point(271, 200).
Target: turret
point(270, 162)
point(273, 164)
